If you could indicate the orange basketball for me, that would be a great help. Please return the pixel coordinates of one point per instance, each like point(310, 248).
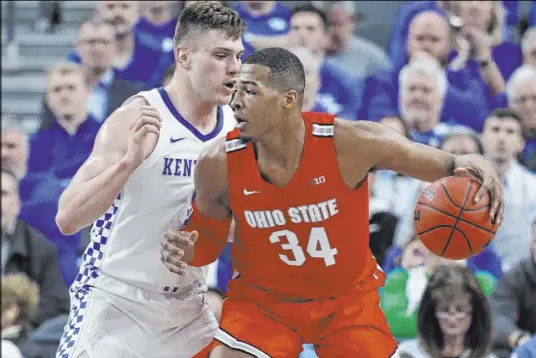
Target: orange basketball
point(449, 223)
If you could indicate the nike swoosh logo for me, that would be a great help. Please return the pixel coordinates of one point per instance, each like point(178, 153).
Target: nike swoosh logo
point(175, 140)
point(247, 192)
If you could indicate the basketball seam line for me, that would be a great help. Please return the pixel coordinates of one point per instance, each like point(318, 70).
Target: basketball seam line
point(458, 218)
point(454, 216)
point(456, 205)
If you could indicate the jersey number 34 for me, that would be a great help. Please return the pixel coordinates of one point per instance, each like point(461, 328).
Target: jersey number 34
point(318, 246)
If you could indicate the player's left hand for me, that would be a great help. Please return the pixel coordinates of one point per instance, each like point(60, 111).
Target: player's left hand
point(478, 168)
point(177, 249)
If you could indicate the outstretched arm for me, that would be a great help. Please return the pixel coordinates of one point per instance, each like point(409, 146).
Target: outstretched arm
point(384, 148)
point(209, 221)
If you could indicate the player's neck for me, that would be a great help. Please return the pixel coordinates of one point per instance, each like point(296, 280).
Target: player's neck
point(284, 143)
point(453, 346)
point(200, 113)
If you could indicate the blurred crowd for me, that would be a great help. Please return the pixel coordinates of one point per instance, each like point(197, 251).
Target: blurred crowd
point(457, 75)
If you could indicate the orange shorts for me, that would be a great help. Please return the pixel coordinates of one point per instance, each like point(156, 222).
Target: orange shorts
point(352, 325)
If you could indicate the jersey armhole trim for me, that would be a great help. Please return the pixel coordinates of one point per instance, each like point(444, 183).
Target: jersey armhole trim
point(234, 145)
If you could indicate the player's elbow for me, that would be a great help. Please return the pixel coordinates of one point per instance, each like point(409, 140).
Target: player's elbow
point(65, 223)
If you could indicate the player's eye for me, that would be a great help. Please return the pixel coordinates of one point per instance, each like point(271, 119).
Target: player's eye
point(247, 91)
point(221, 55)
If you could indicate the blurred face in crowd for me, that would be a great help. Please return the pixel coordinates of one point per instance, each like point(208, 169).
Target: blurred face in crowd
point(460, 145)
point(212, 61)
point(10, 201)
point(121, 14)
point(259, 5)
point(420, 101)
point(475, 14)
point(529, 49)
point(502, 139)
point(311, 65)
point(454, 312)
point(429, 32)
point(14, 151)
point(524, 102)
point(67, 94)
point(340, 30)
point(95, 46)
point(308, 30)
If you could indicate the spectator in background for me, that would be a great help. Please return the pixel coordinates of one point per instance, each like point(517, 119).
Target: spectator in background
point(483, 29)
point(355, 55)
point(39, 194)
point(454, 318)
point(339, 93)
point(26, 250)
point(467, 97)
point(20, 299)
point(264, 19)
point(61, 149)
point(311, 65)
point(136, 60)
point(502, 141)
point(95, 45)
point(156, 27)
point(404, 288)
point(423, 86)
point(513, 307)
point(521, 93)
point(528, 47)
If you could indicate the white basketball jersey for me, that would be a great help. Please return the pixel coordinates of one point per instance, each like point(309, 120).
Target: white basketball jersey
point(125, 242)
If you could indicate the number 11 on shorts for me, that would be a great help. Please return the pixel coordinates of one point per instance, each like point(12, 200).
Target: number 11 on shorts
point(318, 246)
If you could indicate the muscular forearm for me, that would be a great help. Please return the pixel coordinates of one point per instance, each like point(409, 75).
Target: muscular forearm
point(83, 203)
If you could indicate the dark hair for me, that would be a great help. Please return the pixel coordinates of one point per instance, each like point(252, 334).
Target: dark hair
point(501, 113)
point(208, 16)
point(286, 69)
point(312, 9)
point(448, 279)
point(462, 131)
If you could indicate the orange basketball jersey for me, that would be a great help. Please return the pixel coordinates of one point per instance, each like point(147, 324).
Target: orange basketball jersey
point(308, 240)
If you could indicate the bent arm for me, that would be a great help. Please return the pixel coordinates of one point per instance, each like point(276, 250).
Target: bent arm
point(211, 216)
point(101, 178)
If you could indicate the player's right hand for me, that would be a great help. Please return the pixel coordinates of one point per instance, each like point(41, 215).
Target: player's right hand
point(177, 249)
point(147, 121)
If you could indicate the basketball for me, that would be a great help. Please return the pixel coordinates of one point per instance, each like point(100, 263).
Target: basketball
point(449, 223)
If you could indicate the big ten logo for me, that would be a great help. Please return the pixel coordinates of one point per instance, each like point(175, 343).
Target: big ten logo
point(317, 181)
point(429, 194)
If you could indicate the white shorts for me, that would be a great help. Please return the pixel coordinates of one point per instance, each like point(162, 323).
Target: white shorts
point(135, 324)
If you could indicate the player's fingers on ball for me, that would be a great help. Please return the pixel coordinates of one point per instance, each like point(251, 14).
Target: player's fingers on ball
point(193, 237)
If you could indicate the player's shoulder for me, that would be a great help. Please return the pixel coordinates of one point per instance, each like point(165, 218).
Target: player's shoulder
point(214, 155)
point(127, 113)
point(359, 133)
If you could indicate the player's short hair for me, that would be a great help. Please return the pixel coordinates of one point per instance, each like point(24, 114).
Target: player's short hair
point(444, 282)
point(312, 9)
point(286, 69)
point(204, 16)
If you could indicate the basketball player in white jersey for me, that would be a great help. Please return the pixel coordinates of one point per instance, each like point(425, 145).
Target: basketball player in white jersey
point(125, 303)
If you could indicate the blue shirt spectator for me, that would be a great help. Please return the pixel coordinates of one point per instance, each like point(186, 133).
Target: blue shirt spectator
point(57, 152)
point(532, 15)
point(526, 350)
point(273, 18)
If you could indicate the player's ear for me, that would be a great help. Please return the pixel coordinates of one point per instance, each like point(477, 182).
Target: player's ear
point(290, 98)
point(182, 56)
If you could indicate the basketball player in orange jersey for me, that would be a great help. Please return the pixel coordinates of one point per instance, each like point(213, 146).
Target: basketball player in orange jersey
point(296, 186)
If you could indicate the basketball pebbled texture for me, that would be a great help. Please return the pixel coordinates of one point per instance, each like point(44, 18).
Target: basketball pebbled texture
point(449, 223)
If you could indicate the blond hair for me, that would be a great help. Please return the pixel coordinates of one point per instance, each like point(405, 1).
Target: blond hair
point(66, 68)
point(18, 289)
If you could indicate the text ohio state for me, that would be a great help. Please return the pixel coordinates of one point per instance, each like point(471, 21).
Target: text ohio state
point(311, 213)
